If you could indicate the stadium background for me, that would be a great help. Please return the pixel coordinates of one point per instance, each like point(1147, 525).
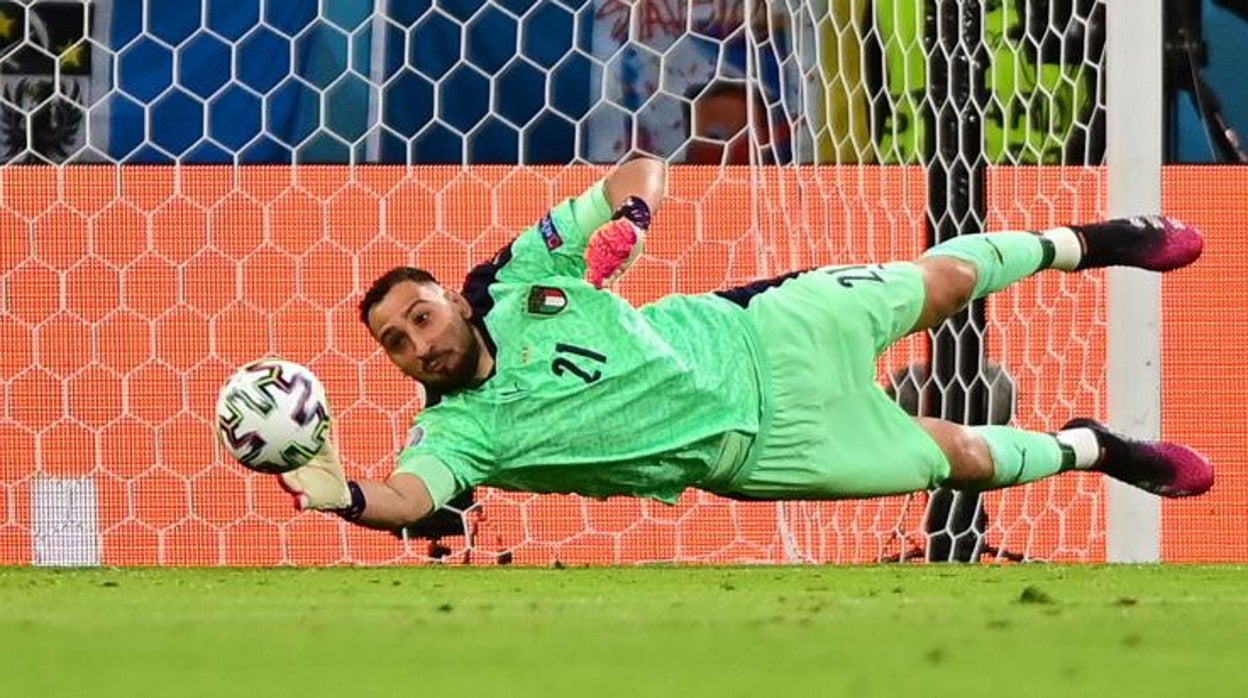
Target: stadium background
point(130, 290)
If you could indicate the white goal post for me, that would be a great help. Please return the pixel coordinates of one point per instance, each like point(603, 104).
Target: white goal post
point(1135, 144)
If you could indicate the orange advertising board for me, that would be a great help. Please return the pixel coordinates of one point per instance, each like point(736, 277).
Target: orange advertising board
point(128, 294)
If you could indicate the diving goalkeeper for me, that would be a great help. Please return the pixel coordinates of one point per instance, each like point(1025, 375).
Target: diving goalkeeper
point(539, 380)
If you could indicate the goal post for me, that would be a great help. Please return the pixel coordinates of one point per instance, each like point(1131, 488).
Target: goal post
point(1136, 141)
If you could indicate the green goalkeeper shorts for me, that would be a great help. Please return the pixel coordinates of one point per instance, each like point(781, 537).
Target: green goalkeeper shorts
point(831, 431)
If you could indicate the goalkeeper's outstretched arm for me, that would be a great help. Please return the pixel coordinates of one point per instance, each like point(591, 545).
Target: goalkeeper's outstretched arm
point(634, 191)
point(643, 177)
point(403, 499)
point(321, 485)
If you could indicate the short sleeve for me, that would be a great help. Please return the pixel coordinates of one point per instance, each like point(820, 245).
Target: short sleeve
point(440, 481)
point(448, 450)
point(556, 245)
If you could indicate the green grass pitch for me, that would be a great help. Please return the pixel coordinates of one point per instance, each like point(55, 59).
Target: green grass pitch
point(1027, 630)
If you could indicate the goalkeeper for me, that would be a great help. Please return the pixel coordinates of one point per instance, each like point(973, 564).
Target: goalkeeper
point(539, 380)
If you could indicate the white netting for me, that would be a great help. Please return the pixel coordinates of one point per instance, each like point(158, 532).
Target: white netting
point(236, 217)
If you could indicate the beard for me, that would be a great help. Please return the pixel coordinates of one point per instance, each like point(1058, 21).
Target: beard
point(462, 374)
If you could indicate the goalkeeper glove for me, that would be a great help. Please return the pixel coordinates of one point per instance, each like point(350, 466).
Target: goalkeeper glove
point(614, 247)
point(320, 484)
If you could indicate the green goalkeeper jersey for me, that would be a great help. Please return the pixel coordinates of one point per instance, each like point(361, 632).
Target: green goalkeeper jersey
point(589, 395)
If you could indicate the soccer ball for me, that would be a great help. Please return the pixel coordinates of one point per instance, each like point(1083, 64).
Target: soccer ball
point(273, 416)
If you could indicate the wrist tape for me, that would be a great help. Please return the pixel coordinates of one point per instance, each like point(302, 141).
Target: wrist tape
point(353, 511)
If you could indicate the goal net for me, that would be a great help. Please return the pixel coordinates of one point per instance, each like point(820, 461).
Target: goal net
point(186, 188)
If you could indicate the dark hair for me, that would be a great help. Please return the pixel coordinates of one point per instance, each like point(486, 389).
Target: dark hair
point(387, 281)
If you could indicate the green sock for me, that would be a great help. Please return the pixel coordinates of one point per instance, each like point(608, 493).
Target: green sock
point(1023, 456)
point(999, 258)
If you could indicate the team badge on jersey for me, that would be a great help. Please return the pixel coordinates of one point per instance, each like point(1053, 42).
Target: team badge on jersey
point(549, 234)
point(547, 300)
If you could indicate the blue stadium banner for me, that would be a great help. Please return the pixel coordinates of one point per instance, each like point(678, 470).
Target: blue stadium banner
point(475, 82)
point(233, 80)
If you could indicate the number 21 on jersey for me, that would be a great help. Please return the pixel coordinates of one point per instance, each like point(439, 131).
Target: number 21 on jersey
point(578, 362)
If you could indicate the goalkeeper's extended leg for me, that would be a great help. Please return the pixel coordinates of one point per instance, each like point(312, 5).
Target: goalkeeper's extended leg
point(1160, 467)
point(1155, 243)
point(992, 457)
point(972, 266)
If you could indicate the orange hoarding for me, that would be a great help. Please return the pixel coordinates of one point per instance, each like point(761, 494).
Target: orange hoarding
point(1204, 391)
point(127, 294)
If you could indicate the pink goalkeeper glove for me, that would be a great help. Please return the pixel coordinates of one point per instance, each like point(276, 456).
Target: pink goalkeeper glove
point(614, 247)
point(611, 250)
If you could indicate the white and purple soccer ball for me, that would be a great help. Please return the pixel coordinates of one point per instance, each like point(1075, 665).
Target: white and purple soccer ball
point(273, 416)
